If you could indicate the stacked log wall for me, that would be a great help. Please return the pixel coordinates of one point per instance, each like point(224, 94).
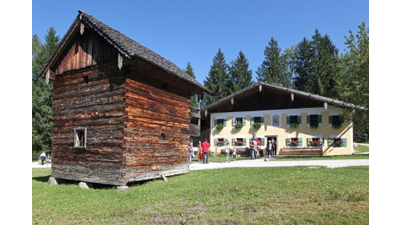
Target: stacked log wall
point(157, 125)
point(98, 103)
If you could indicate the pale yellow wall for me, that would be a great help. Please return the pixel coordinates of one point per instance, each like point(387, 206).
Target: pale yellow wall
point(284, 131)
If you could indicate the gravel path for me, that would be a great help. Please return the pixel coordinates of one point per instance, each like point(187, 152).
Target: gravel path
point(272, 163)
point(262, 163)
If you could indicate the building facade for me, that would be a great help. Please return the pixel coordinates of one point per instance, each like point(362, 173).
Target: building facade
point(300, 123)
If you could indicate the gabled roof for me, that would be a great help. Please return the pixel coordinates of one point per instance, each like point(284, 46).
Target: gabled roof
point(125, 45)
point(254, 87)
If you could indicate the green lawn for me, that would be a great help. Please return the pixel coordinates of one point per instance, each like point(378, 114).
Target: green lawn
point(289, 195)
point(221, 158)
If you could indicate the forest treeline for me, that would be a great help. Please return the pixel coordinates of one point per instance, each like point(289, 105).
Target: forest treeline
point(312, 65)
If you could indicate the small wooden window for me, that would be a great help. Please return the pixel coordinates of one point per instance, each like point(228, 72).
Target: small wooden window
point(86, 78)
point(80, 137)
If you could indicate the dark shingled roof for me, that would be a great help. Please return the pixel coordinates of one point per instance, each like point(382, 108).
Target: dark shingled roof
point(250, 88)
point(126, 46)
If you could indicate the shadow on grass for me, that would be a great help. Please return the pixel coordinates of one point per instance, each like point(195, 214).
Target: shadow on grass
point(41, 179)
point(45, 179)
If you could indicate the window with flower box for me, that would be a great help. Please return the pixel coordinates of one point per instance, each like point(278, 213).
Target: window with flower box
point(315, 141)
point(220, 123)
point(294, 142)
point(293, 121)
point(336, 121)
point(257, 121)
point(238, 122)
point(314, 120)
point(220, 141)
point(337, 142)
point(239, 141)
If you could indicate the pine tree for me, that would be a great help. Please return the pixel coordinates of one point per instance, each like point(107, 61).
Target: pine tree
point(326, 61)
point(189, 70)
point(354, 78)
point(274, 68)
point(303, 66)
point(289, 58)
point(217, 78)
point(41, 94)
point(239, 74)
point(317, 65)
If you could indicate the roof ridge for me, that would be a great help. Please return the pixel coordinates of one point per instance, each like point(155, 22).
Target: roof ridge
point(125, 45)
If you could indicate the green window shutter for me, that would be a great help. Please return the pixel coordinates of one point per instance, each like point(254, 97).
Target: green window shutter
point(288, 120)
point(319, 118)
point(330, 119)
point(252, 121)
point(344, 142)
point(300, 141)
point(262, 142)
point(234, 122)
point(341, 117)
point(287, 141)
point(244, 121)
point(233, 141)
point(244, 141)
point(309, 141)
point(262, 120)
point(225, 141)
point(299, 120)
point(321, 141)
point(224, 122)
point(215, 141)
point(330, 142)
point(308, 119)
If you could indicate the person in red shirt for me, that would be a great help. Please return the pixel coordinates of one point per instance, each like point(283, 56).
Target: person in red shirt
point(206, 147)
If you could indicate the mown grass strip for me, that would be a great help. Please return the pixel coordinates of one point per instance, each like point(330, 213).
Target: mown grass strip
point(284, 195)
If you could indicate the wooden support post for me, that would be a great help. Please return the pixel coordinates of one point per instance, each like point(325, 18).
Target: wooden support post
point(164, 177)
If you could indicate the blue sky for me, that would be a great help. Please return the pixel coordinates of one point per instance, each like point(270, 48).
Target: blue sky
point(183, 31)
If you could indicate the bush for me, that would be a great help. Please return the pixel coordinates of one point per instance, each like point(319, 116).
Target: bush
point(257, 125)
point(239, 126)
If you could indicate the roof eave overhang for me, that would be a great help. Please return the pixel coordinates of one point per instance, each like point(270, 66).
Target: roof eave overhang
point(253, 88)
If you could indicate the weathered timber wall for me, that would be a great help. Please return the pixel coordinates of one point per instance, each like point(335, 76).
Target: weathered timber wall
point(98, 103)
point(156, 133)
point(85, 50)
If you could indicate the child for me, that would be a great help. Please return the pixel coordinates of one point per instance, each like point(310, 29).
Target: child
point(234, 153)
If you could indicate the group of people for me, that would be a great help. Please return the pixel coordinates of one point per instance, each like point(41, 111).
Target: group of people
point(255, 146)
point(204, 148)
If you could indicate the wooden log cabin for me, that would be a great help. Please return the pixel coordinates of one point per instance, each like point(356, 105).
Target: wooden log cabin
point(120, 111)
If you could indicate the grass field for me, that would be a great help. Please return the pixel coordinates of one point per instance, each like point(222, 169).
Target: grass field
point(289, 195)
